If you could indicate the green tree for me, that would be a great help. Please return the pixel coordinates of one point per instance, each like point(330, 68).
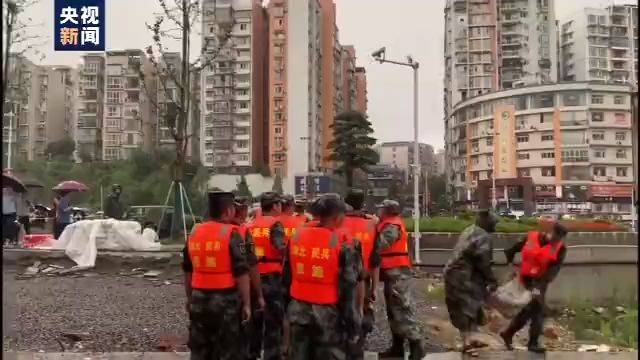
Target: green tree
point(352, 144)
point(62, 149)
point(277, 184)
point(242, 188)
point(438, 192)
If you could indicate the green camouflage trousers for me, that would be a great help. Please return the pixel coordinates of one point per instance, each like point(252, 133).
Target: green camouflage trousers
point(265, 329)
point(400, 307)
point(315, 332)
point(215, 329)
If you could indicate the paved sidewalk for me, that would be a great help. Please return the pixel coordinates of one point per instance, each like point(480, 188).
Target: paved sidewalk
point(518, 355)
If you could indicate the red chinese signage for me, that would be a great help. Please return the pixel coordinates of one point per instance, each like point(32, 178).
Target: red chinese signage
point(610, 190)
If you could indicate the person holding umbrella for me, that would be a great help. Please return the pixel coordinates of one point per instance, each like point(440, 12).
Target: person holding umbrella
point(11, 187)
point(62, 205)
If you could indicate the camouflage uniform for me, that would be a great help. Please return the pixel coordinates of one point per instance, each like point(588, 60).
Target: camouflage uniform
point(265, 328)
point(321, 332)
point(397, 289)
point(215, 315)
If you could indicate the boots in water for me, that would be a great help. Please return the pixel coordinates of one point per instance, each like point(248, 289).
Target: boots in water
point(396, 349)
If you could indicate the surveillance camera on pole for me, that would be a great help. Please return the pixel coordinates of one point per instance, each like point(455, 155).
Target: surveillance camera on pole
point(379, 54)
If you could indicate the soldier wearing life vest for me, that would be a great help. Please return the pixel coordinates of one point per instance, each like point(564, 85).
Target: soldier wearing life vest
point(362, 228)
point(289, 218)
point(391, 255)
point(542, 256)
point(217, 283)
point(321, 272)
point(268, 238)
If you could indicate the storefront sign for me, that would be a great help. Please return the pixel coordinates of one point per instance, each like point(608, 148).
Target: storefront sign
point(617, 190)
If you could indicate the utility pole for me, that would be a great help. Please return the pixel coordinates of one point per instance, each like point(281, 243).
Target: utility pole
point(634, 156)
point(379, 56)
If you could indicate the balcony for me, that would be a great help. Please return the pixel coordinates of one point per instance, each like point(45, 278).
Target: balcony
point(511, 43)
point(619, 43)
point(242, 85)
point(511, 20)
point(242, 97)
point(511, 54)
point(242, 111)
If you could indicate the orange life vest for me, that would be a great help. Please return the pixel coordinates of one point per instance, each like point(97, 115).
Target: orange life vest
point(536, 259)
point(269, 258)
point(363, 230)
point(291, 223)
point(397, 255)
point(314, 255)
point(210, 256)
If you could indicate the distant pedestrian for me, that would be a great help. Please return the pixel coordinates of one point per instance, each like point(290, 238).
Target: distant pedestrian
point(23, 212)
point(113, 208)
point(62, 205)
point(542, 256)
point(468, 277)
point(9, 216)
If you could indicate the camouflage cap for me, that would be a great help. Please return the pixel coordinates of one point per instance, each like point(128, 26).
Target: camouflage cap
point(391, 206)
point(288, 200)
point(269, 199)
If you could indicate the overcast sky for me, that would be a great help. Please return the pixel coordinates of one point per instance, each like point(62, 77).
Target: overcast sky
point(405, 27)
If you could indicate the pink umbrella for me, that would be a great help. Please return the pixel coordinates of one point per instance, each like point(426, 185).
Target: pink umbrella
point(70, 186)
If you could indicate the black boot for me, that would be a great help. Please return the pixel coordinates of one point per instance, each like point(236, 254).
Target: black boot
point(507, 337)
point(534, 347)
point(396, 349)
point(417, 350)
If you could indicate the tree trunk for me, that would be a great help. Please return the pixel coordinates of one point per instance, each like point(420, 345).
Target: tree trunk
point(349, 177)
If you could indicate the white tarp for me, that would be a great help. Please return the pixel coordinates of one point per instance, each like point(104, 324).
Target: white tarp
point(82, 240)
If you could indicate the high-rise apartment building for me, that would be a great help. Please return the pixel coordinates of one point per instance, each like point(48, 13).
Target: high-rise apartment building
point(233, 86)
point(361, 89)
point(600, 45)
point(129, 110)
point(399, 154)
point(90, 107)
point(329, 91)
point(277, 85)
point(40, 103)
point(304, 95)
point(349, 77)
point(497, 44)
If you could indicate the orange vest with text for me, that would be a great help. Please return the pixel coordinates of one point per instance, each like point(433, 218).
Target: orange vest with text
point(269, 258)
point(536, 259)
point(314, 255)
point(397, 255)
point(363, 230)
point(210, 256)
point(291, 223)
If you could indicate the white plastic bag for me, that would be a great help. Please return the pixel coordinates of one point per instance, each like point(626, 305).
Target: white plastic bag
point(509, 298)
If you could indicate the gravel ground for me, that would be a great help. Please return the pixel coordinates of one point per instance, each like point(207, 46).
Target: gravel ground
point(111, 312)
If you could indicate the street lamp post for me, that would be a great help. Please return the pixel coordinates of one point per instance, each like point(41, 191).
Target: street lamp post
point(494, 198)
point(379, 56)
point(634, 156)
point(10, 115)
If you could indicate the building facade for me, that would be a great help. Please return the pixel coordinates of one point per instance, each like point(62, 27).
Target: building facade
point(233, 87)
point(90, 107)
point(569, 142)
point(399, 154)
point(439, 163)
point(600, 45)
point(361, 89)
point(129, 110)
point(349, 77)
point(40, 101)
point(304, 95)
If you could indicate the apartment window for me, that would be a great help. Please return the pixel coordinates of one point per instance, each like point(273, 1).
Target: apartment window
point(619, 99)
point(277, 130)
point(279, 142)
point(112, 123)
point(111, 153)
point(114, 83)
point(597, 99)
point(548, 155)
point(597, 116)
point(621, 154)
point(575, 155)
point(113, 111)
point(546, 118)
point(546, 137)
point(621, 136)
point(572, 99)
point(490, 141)
point(114, 97)
point(597, 135)
point(278, 89)
point(523, 156)
point(242, 144)
point(620, 118)
point(600, 171)
point(543, 100)
point(600, 153)
point(549, 171)
point(524, 173)
point(523, 138)
point(621, 171)
point(112, 139)
point(243, 26)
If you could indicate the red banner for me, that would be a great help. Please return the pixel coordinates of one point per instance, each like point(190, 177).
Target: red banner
point(617, 190)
